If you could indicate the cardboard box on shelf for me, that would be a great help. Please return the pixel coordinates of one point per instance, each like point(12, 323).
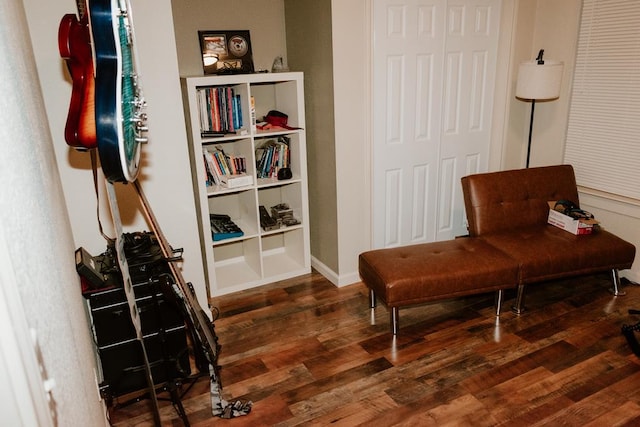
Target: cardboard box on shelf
point(567, 223)
point(237, 180)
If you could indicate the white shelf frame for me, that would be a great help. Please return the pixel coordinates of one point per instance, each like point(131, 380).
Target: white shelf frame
point(258, 257)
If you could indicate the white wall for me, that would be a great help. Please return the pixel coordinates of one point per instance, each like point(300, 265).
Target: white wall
point(556, 31)
point(352, 82)
point(39, 287)
point(620, 218)
point(263, 18)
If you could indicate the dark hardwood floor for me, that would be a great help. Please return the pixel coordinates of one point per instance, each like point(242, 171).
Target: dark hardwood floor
point(308, 353)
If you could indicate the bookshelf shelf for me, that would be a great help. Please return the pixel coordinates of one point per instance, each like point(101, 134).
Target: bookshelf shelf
point(229, 106)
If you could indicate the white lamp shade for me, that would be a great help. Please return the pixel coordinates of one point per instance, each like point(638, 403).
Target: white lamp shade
point(539, 81)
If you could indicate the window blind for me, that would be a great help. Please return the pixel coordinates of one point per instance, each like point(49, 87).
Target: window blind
point(603, 134)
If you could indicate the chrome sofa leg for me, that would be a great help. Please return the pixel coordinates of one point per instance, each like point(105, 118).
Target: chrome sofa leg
point(518, 307)
point(372, 298)
point(617, 287)
point(395, 320)
point(498, 302)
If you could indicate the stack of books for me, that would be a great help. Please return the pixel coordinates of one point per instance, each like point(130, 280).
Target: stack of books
point(220, 110)
point(225, 170)
point(272, 156)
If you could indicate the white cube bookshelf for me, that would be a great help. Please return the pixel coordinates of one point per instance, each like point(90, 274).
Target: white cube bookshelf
point(258, 256)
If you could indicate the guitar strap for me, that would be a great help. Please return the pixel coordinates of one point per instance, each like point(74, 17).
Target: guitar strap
point(94, 168)
point(202, 328)
point(131, 299)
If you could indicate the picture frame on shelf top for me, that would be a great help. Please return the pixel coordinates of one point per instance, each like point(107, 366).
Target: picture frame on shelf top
point(226, 52)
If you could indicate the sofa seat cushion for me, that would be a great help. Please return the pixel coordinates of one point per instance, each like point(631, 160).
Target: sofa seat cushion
point(547, 252)
point(430, 271)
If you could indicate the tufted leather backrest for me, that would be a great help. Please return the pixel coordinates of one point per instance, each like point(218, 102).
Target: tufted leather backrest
point(501, 201)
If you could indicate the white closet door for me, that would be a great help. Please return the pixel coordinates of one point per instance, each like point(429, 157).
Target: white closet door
point(433, 74)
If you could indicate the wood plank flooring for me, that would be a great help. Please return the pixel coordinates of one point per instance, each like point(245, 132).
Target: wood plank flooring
point(308, 353)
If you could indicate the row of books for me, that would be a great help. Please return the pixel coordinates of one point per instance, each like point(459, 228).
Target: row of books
point(220, 110)
point(225, 170)
point(272, 156)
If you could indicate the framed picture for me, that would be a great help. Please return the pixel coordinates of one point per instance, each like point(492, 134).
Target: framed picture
point(226, 52)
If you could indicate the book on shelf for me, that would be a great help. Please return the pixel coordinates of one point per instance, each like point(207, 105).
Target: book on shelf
point(271, 156)
point(220, 110)
point(252, 113)
point(225, 170)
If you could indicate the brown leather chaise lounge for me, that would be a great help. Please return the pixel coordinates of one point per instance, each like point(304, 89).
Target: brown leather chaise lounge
point(509, 245)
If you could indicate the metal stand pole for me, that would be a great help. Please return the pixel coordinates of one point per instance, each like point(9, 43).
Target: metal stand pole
point(533, 106)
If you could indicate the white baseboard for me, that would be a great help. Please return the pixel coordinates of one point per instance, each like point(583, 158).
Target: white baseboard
point(632, 275)
point(332, 276)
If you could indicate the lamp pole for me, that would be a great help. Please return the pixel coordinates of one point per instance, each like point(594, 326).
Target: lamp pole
point(540, 61)
point(533, 106)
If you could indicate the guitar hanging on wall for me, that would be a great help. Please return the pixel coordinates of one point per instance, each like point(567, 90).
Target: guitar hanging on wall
point(74, 44)
point(119, 104)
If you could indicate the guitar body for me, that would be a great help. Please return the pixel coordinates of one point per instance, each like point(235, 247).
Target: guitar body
point(118, 101)
point(74, 44)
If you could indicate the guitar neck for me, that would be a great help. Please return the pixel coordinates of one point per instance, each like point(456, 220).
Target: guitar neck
point(81, 5)
point(197, 314)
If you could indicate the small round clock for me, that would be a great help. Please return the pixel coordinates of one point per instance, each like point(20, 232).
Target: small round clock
point(238, 46)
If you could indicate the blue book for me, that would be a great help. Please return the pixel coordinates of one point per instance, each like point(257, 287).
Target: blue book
point(239, 110)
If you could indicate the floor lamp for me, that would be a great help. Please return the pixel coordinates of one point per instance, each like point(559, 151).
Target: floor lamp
point(537, 81)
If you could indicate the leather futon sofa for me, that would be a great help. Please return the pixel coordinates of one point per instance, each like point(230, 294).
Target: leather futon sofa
point(510, 245)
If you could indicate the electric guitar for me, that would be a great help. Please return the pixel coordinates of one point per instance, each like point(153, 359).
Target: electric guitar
point(202, 329)
point(119, 104)
point(74, 45)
